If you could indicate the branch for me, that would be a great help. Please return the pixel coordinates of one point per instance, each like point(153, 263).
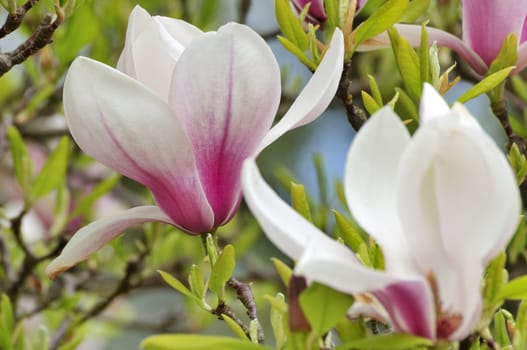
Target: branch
point(14, 20)
point(246, 297)
point(356, 116)
point(42, 36)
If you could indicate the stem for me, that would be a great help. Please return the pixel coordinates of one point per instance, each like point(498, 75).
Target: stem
point(246, 297)
point(356, 116)
point(497, 104)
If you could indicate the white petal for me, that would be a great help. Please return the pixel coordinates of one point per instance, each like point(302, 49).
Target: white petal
point(96, 235)
point(432, 105)
point(287, 229)
point(125, 126)
point(316, 95)
point(137, 22)
point(370, 181)
point(225, 91)
point(182, 32)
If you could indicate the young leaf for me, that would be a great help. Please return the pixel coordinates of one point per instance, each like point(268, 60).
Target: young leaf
point(369, 102)
point(291, 47)
point(177, 285)
point(349, 232)
point(277, 320)
point(394, 341)
point(515, 289)
point(487, 84)
point(222, 271)
point(283, 270)
point(415, 10)
point(54, 171)
point(234, 327)
point(299, 201)
point(501, 334)
point(290, 25)
point(424, 57)
point(86, 202)
point(195, 281)
point(407, 63)
point(520, 335)
point(508, 55)
point(375, 92)
point(21, 159)
point(382, 19)
point(324, 307)
point(197, 342)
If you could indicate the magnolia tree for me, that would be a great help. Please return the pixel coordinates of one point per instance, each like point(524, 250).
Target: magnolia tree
point(118, 119)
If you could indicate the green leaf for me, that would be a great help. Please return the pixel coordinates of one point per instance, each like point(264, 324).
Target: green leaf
point(369, 102)
point(195, 281)
point(177, 285)
point(518, 163)
point(393, 341)
point(406, 105)
point(299, 201)
point(487, 84)
point(324, 307)
point(520, 335)
point(234, 327)
point(196, 342)
point(332, 14)
point(222, 270)
point(501, 334)
point(515, 289)
point(350, 233)
point(508, 55)
point(424, 57)
point(7, 315)
point(415, 10)
point(407, 63)
point(283, 270)
point(375, 92)
point(290, 25)
point(54, 171)
point(21, 159)
point(518, 242)
point(520, 87)
point(382, 19)
point(277, 321)
point(291, 47)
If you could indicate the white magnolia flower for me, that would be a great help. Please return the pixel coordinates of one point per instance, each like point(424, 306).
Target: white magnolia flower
point(441, 204)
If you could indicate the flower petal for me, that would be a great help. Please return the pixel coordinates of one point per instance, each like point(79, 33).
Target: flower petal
point(316, 8)
point(125, 126)
point(412, 33)
point(137, 22)
point(226, 86)
point(455, 190)
point(407, 299)
point(486, 23)
point(316, 95)
point(432, 105)
point(370, 181)
point(155, 53)
point(287, 229)
point(182, 32)
point(96, 235)
point(522, 58)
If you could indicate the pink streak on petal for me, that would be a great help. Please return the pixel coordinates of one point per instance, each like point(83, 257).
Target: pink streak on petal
point(410, 306)
point(226, 107)
point(486, 23)
point(316, 8)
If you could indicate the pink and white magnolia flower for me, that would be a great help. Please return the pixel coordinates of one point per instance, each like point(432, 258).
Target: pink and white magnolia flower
point(441, 204)
point(486, 23)
point(317, 12)
point(179, 115)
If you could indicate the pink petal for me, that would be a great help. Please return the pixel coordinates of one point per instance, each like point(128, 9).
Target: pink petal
point(225, 91)
point(316, 8)
point(96, 235)
point(412, 33)
point(486, 23)
point(125, 126)
point(316, 95)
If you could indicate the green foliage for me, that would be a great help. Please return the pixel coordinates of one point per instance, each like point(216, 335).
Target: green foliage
point(283, 270)
point(299, 201)
point(486, 85)
point(21, 160)
point(222, 271)
point(383, 18)
point(196, 342)
point(53, 173)
point(387, 342)
point(324, 307)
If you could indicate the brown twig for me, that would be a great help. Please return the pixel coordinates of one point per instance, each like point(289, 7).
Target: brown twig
point(246, 297)
point(14, 19)
point(501, 113)
point(42, 36)
point(356, 116)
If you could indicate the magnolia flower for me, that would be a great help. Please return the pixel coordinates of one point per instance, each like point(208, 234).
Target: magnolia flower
point(486, 23)
point(441, 204)
point(179, 115)
point(317, 13)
